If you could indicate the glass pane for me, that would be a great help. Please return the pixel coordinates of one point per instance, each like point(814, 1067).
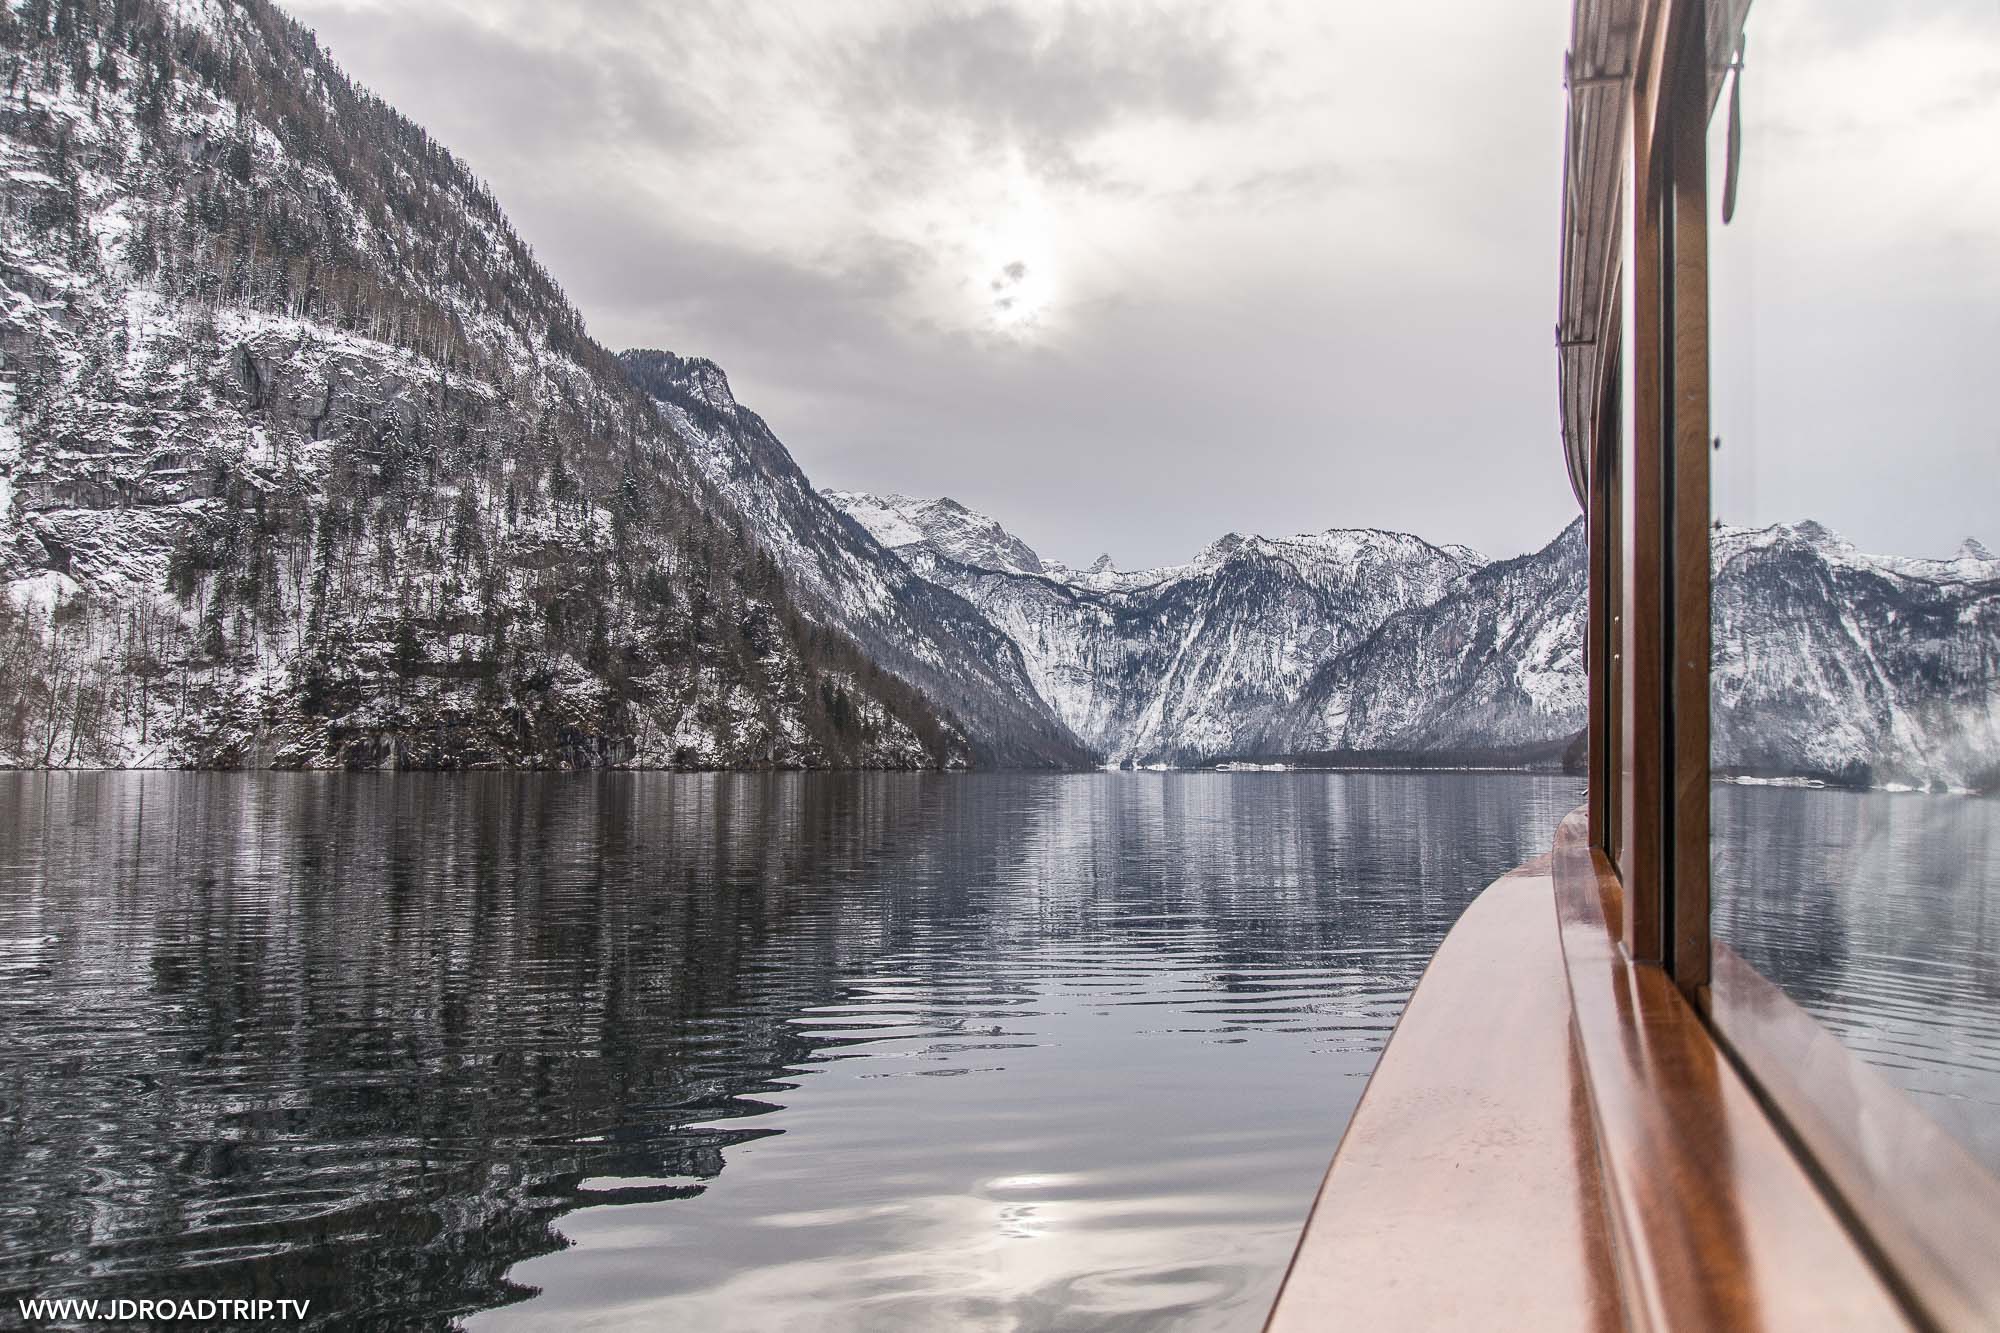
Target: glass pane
point(1855, 305)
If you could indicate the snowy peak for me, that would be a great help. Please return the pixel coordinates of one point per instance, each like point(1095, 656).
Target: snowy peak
point(1178, 663)
point(1818, 542)
point(1221, 549)
point(943, 528)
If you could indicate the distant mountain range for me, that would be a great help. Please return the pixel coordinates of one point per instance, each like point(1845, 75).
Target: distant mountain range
point(1182, 664)
point(306, 462)
point(1347, 644)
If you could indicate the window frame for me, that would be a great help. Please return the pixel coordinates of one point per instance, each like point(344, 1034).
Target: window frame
point(1634, 354)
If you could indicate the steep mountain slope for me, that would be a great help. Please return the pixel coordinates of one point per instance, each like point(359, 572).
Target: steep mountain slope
point(304, 460)
point(1829, 663)
point(1179, 664)
point(1854, 667)
point(1494, 668)
point(843, 578)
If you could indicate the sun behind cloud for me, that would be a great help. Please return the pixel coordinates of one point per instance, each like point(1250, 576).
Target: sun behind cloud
point(1013, 281)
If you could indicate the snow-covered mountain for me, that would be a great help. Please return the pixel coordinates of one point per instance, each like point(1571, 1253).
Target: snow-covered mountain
point(1828, 662)
point(1493, 669)
point(843, 578)
point(1855, 667)
point(1175, 664)
point(304, 460)
point(945, 526)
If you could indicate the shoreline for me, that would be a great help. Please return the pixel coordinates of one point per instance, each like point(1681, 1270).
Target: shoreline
point(1786, 782)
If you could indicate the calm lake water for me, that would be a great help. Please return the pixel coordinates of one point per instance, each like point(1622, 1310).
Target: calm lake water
point(873, 1052)
point(846, 1052)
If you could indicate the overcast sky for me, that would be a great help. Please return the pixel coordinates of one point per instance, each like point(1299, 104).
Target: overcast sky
point(1126, 277)
point(1855, 313)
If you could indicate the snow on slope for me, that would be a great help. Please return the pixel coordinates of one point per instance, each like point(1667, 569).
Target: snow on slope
point(1495, 665)
point(1174, 664)
point(304, 460)
point(1828, 661)
point(1855, 667)
point(898, 522)
point(842, 576)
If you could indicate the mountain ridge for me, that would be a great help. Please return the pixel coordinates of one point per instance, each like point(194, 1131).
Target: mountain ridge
point(846, 580)
point(1887, 671)
point(305, 461)
point(1182, 662)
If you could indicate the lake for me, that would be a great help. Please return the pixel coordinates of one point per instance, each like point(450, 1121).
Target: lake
point(735, 1052)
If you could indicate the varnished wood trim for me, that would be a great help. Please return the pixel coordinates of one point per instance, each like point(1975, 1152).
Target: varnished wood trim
point(1465, 1192)
point(1687, 539)
point(1662, 492)
point(1607, 487)
point(1597, 664)
point(1642, 500)
point(1925, 1204)
point(1718, 1226)
point(1670, 26)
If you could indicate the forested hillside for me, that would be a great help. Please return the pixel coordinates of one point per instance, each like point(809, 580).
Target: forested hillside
point(304, 460)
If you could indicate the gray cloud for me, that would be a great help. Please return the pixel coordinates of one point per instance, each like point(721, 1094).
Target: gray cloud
point(1128, 276)
point(545, 95)
point(1094, 268)
point(1041, 87)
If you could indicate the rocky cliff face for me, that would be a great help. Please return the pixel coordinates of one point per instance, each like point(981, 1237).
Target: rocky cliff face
point(1491, 670)
point(1828, 663)
point(304, 460)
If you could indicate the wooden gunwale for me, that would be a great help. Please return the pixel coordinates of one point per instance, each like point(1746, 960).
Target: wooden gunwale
point(1927, 1207)
point(1465, 1191)
point(1718, 1224)
point(1556, 1138)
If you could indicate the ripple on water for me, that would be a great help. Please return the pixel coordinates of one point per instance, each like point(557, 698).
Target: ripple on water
point(852, 1052)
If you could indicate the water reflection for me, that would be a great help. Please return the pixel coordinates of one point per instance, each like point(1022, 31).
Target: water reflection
point(1880, 914)
point(994, 1051)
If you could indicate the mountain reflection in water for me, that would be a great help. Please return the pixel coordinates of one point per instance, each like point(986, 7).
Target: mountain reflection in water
point(1879, 912)
point(994, 1051)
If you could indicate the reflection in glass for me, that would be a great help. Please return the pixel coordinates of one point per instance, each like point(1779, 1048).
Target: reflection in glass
point(1855, 308)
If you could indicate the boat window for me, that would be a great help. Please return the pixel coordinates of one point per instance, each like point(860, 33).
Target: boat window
point(1855, 688)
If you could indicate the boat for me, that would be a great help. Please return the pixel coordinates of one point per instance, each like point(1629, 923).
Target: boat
point(1594, 1114)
